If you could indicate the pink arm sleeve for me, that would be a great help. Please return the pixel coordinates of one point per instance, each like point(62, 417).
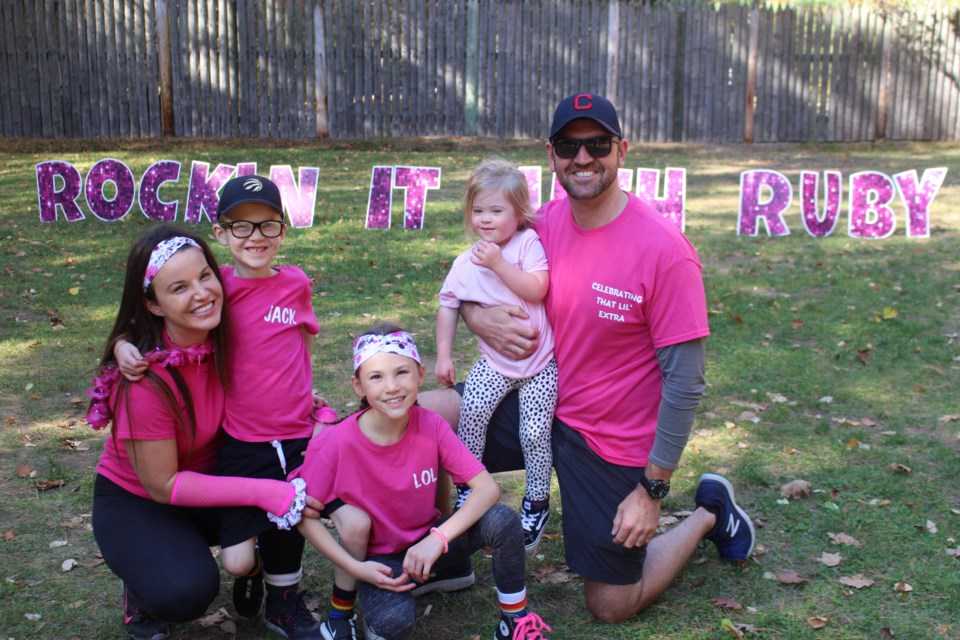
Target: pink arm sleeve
point(199, 490)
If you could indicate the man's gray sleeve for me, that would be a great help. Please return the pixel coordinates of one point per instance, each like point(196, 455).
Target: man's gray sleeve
point(682, 367)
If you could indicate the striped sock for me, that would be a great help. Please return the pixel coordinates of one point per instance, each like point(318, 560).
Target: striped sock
point(513, 604)
point(342, 603)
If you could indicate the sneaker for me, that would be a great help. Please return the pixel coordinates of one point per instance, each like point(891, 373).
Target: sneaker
point(527, 627)
point(534, 515)
point(370, 634)
point(248, 592)
point(288, 615)
point(453, 578)
point(139, 625)
point(340, 628)
point(463, 491)
point(733, 534)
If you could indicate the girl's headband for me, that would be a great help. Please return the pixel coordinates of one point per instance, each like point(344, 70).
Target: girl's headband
point(398, 342)
point(164, 250)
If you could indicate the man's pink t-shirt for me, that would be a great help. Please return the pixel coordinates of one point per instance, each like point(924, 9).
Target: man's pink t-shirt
point(270, 373)
point(468, 282)
point(143, 415)
point(395, 484)
point(618, 293)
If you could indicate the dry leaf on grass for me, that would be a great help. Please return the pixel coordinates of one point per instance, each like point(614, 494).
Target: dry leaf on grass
point(68, 564)
point(830, 559)
point(857, 581)
point(24, 471)
point(726, 602)
point(842, 538)
point(902, 587)
point(953, 553)
point(896, 467)
point(550, 574)
point(789, 577)
point(795, 489)
point(215, 619)
point(818, 622)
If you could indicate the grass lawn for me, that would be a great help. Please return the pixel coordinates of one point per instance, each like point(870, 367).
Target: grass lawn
point(834, 361)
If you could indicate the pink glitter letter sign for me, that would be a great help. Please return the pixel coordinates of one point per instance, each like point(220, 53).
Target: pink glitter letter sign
point(415, 181)
point(202, 197)
point(870, 217)
point(380, 200)
point(534, 179)
point(817, 225)
point(918, 199)
point(149, 197)
point(672, 204)
point(49, 175)
point(299, 202)
point(751, 209)
point(110, 170)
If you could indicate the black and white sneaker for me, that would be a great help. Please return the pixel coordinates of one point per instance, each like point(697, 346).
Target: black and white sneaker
point(453, 578)
point(139, 625)
point(534, 516)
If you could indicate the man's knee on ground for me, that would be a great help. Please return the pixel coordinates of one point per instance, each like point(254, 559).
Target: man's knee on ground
point(611, 604)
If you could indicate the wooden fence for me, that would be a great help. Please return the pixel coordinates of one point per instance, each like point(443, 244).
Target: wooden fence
point(493, 68)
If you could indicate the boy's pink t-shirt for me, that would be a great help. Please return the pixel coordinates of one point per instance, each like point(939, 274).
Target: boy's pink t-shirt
point(395, 484)
point(618, 293)
point(468, 282)
point(271, 376)
point(150, 419)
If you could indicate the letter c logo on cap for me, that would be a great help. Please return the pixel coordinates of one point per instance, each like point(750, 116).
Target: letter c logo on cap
point(583, 102)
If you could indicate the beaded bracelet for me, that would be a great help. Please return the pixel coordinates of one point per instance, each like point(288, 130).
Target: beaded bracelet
point(443, 538)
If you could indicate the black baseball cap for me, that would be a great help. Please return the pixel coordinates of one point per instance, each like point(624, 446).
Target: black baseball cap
point(589, 106)
point(249, 189)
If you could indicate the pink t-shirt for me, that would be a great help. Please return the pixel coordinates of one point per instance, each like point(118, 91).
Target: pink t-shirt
point(618, 293)
point(271, 377)
point(395, 484)
point(468, 282)
point(151, 419)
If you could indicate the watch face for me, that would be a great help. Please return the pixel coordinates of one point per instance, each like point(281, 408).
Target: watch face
point(658, 489)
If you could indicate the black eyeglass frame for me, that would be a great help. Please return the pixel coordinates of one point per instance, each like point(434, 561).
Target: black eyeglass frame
point(255, 225)
point(596, 146)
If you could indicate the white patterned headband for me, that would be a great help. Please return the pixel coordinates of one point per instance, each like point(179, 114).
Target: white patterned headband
point(164, 250)
point(398, 342)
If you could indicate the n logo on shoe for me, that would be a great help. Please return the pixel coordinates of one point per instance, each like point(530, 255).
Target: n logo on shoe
point(733, 525)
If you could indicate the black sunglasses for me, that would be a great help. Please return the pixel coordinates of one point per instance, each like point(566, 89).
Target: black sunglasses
point(597, 147)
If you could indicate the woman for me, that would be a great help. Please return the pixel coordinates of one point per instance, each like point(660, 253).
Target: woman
point(165, 435)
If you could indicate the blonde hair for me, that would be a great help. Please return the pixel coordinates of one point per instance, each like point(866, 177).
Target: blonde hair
point(498, 173)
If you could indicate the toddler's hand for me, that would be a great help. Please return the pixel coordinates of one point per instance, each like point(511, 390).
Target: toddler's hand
point(446, 373)
point(486, 254)
point(130, 361)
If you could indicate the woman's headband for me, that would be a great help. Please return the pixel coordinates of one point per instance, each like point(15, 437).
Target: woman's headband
point(164, 250)
point(369, 344)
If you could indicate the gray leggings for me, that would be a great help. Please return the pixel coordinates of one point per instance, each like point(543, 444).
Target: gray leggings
point(483, 391)
point(393, 615)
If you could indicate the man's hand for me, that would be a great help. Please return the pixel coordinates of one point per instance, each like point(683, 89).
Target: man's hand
point(637, 518)
point(499, 328)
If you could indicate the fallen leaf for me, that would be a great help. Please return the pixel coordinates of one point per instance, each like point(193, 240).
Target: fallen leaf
point(726, 602)
point(931, 527)
point(889, 313)
point(550, 574)
point(902, 587)
point(842, 538)
point(32, 616)
point(864, 356)
point(896, 467)
point(74, 290)
point(795, 489)
point(830, 559)
point(215, 618)
point(789, 577)
point(24, 471)
point(953, 553)
point(68, 564)
point(818, 622)
point(46, 485)
point(10, 537)
point(58, 543)
point(857, 581)
point(885, 634)
point(727, 625)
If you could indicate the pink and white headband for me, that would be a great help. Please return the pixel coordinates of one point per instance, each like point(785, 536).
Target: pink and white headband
point(164, 250)
point(398, 342)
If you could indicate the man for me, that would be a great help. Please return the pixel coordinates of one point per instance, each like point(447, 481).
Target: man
point(628, 310)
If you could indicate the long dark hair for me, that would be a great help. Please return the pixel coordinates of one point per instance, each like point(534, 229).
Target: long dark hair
point(135, 324)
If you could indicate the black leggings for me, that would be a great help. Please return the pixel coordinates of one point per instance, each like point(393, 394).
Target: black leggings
point(161, 552)
point(393, 615)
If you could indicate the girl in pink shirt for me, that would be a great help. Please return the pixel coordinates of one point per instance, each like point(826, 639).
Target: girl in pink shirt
point(386, 460)
point(506, 266)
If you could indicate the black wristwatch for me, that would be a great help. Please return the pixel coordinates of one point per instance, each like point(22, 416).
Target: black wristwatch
point(656, 489)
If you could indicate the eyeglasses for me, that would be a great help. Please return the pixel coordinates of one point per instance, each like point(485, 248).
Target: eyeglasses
point(245, 229)
point(598, 147)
